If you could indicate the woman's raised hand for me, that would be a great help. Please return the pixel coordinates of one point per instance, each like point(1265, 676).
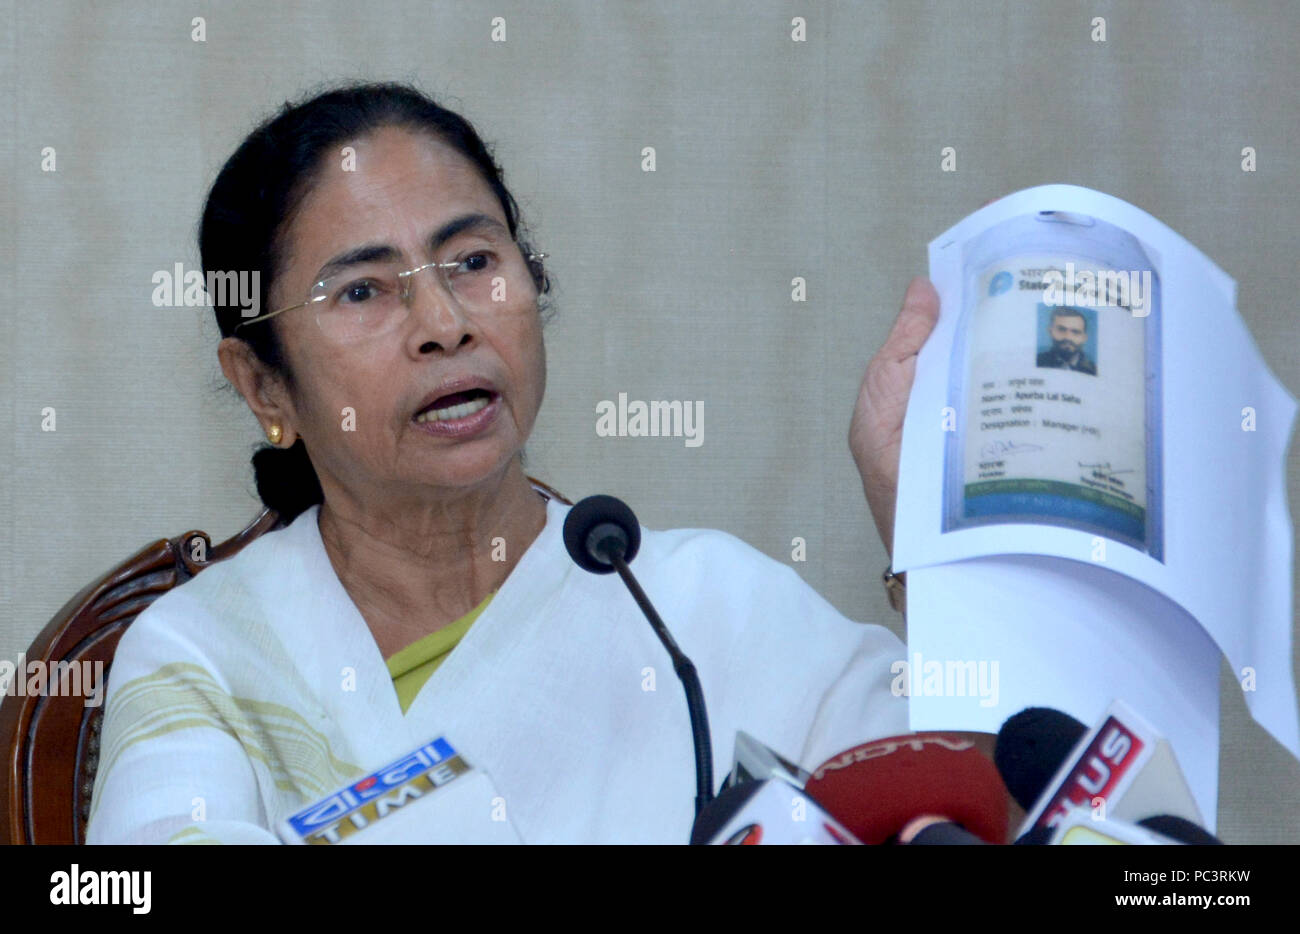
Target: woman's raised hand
point(876, 433)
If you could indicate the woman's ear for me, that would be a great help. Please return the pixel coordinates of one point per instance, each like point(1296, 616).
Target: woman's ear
point(262, 388)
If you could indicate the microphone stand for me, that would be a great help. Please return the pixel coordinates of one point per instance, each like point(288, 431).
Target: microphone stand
point(613, 547)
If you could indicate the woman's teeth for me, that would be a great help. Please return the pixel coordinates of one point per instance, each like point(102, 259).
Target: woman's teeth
point(452, 412)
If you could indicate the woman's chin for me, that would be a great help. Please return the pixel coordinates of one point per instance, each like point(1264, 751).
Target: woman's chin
point(464, 469)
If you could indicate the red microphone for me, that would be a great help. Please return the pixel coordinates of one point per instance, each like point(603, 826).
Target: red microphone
point(877, 788)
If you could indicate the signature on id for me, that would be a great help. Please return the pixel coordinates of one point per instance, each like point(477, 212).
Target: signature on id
point(1102, 471)
point(1104, 467)
point(995, 449)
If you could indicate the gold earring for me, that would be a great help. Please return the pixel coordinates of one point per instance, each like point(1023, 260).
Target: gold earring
point(274, 434)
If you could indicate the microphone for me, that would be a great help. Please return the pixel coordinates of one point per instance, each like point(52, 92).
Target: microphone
point(1081, 827)
point(1030, 748)
point(753, 762)
point(933, 830)
point(763, 802)
point(767, 812)
point(1180, 829)
point(602, 535)
point(877, 789)
point(1123, 764)
point(430, 795)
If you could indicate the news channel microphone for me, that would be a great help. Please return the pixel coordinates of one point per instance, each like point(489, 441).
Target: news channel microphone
point(753, 761)
point(767, 812)
point(430, 795)
point(602, 535)
point(878, 789)
point(1081, 827)
point(1054, 766)
point(763, 802)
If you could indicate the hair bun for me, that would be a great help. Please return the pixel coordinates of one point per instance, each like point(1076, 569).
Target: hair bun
point(286, 480)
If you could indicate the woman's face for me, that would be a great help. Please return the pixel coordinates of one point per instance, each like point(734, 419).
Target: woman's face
point(403, 188)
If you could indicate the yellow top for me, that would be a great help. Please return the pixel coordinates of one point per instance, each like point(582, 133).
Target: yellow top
point(411, 667)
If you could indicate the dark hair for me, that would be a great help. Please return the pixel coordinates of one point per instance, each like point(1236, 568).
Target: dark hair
point(252, 203)
point(1065, 311)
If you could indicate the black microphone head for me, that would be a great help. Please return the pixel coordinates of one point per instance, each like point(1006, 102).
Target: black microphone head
point(1180, 829)
point(1031, 746)
point(1035, 836)
point(946, 834)
point(586, 517)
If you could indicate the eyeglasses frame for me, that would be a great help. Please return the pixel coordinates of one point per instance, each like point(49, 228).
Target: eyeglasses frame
point(406, 290)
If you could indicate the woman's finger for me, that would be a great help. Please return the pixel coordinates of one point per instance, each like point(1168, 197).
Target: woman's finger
point(915, 320)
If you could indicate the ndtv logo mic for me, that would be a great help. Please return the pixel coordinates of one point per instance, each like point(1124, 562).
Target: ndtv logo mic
point(889, 747)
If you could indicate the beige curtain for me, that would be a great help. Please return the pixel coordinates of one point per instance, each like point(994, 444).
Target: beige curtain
point(774, 159)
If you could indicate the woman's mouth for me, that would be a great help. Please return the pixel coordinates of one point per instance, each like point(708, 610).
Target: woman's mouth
point(456, 405)
point(460, 413)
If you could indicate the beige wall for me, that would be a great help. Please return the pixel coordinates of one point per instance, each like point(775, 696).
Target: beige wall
point(775, 159)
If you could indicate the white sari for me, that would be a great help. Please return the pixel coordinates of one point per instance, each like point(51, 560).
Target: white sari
point(256, 688)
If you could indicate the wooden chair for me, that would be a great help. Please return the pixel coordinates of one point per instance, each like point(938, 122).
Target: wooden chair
point(49, 745)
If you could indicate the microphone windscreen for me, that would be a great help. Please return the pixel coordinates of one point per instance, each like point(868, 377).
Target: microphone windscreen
point(1180, 829)
point(875, 789)
point(1035, 836)
point(583, 519)
point(946, 834)
point(1030, 749)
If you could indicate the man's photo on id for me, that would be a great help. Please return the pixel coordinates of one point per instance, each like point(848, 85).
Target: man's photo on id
point(1067, 339)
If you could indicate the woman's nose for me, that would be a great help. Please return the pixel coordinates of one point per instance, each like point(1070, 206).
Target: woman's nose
point(438, 313)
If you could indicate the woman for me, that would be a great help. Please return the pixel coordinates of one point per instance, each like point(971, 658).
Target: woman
point(398, 374)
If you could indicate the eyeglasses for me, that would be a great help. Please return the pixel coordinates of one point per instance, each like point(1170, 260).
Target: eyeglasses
point(480, 271)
